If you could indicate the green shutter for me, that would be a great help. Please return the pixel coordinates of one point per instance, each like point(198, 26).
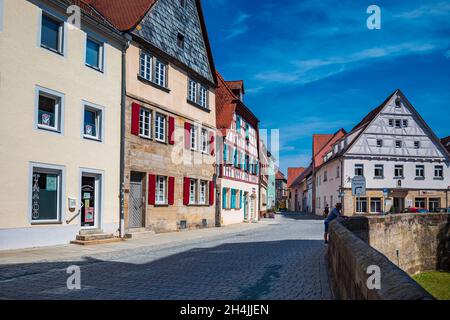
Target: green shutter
point(224, 198)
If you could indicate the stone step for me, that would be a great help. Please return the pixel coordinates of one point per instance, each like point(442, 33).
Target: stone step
point(94, 236)
point(94, 242)
point(90, 231)
point(139, 234)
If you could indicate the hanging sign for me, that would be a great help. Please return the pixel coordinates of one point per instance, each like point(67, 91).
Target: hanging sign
point(359, 186)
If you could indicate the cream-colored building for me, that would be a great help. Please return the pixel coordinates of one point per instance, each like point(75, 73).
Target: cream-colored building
point(60, 113)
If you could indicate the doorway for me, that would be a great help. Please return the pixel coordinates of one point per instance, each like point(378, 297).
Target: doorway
point(90, 200)
point(399, 205)
point(136, 206)
point(245, 206)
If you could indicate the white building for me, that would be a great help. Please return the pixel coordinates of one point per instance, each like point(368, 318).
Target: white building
point(403, 162)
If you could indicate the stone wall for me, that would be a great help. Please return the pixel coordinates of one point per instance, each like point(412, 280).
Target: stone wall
point(349, 258)
point(414, 242)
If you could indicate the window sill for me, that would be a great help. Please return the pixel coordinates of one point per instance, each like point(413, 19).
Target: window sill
point(157, 86)
point(92, 138)
point(52, 50)
point(198, 205)
point(378, 178)
point(419, 178)
point(198, 106)
point(45, 128)
point(46, 222)
point(161, 205)
point(161, 141)
point(94, 68)
point(146, 138)
point(438, 178)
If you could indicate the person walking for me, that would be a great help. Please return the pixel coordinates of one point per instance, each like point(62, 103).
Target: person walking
point(335, 213)
point(326, 211)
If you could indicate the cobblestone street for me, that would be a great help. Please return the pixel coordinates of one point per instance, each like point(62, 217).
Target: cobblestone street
point(274, 259)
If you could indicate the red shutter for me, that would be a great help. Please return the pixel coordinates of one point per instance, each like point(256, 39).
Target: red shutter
point(187, 183)
point(211, 142)
point(151, 189)
point(135, 113)
point(187, 135)
point(211, 193)
point(171, 130)
point(171, 191)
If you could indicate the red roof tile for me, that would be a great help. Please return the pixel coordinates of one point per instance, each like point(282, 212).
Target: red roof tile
point(279, 175)
point(293, 173)
point(318, 158)
point(300, 178)
point(236, 85)
point(124, 15)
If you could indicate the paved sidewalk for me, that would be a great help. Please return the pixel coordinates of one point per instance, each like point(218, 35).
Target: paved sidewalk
point(70, 252)
point(282, 258)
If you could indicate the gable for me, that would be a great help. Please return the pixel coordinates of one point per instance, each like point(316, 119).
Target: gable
point(384, 127)
point(165, 21)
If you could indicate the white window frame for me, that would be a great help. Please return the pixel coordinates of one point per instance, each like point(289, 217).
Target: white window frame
point(146, 62)
point(441, 169)
point(381, 168)
point(161, 190)
point(145, 118)
point(198, 94)
point(194, 138)
point(203, 96)
point(62, 32)
point(204, 141)
point(357, 167)
point(192, 191)
point(192, 92)
point(398, 144)
point(158, 125)
point(379, 143)
point(52, 169)
point(399, 167)
point(420, 171)
point(398, 123)
point(359, 202)
point(203, 192)
point(160, 73)
point(378, 203)
point(100, 111)
point(59, 110)
point(416, 144)
point(405, 123)
point(391, 122)
point(101, 54)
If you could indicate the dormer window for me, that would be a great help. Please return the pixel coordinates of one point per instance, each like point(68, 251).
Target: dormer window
point(180, 41)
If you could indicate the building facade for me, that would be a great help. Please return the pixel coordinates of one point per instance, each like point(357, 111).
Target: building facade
point(238, 158)
point(63, 133)
point(281, 191)
point(403, 163)
point(263, 179)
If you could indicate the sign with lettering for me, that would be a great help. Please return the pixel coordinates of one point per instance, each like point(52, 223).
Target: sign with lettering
point(359, 186)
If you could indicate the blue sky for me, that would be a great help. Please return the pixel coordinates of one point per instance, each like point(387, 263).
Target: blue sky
point(314, 66)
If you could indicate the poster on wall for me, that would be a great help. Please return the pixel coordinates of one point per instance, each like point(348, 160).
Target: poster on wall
point(89, 215)
point(51, 183)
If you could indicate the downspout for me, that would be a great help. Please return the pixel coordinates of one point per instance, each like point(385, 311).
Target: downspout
point(122, 136)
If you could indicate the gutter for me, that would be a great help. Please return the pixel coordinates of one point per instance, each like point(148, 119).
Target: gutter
point(122, 136)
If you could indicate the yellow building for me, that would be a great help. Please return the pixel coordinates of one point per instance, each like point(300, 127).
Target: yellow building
point(60, 113)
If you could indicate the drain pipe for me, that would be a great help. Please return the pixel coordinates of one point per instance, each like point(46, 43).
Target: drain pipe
point(122, 136)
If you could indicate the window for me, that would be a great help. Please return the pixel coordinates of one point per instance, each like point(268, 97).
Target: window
point(359, 170)
point(180, 40)
point(146, 66)
point(391, 122)
point(420, 203)
point(420, 171)
point(405, 123)
point(160, 127)
point(379, 171)
point(203, 96)
point(379, 143)
point(198, 93)
point(52, 34)
point(205, 141)
point(361, 205)
point(375, 205)
point(193, 138)
point(49, 113)
point(398, 123)
point(46, 194)
point(439, 172)
point(152, 69)
point(224, 198)
point(161, 183)
point(434, 204)
point(193, 191)
point(398, 143)
point(160, 73)
point(145, 120)
point(182, 3)
point(338, 171)
point(94, 54)
point(92, 124)
point(325, 176)
point(416, 144)
point(203, 190)
point(398, 171)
